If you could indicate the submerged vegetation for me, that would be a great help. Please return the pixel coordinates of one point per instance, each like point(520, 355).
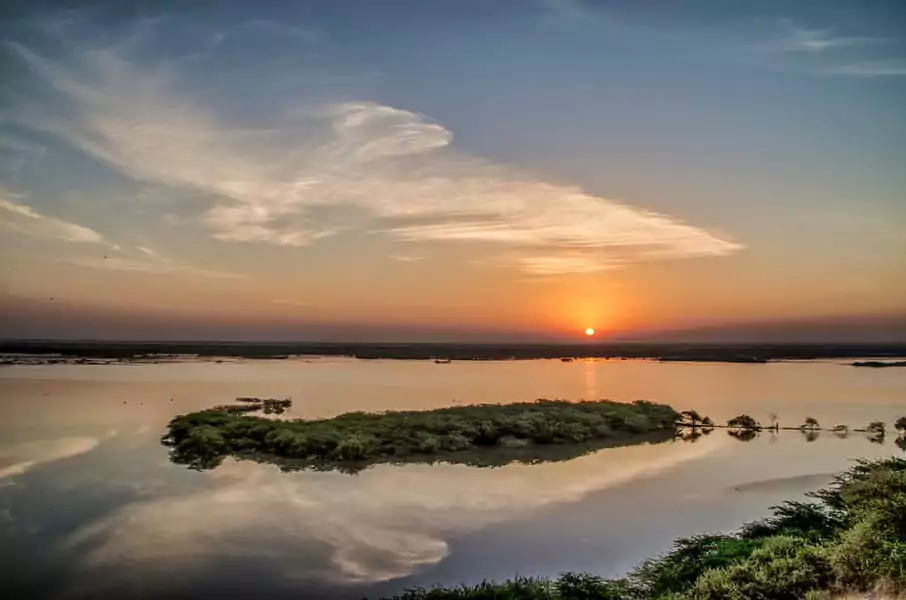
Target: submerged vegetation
point(202, 439)
point(850, 537)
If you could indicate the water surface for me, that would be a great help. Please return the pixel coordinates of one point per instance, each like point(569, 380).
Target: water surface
point(91, 505)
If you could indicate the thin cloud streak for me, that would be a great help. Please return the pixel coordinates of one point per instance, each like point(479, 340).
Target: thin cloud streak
point(384, 163)
point(406, 258)
point(152, 264)
point(838, 54)
point(870, 69)
point(25, 220)
point(802, 39)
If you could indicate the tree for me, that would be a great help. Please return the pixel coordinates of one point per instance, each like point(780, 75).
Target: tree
point(690, 418)
point(900, 425)
point(876, 427)
point(810, 423)
point(743, 422)
point(876, 431)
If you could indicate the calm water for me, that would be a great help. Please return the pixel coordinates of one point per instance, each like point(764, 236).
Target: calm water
point(90, 506)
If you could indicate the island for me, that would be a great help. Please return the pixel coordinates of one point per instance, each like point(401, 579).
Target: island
point(203, 439)
point(879, 364)
point(848, 540)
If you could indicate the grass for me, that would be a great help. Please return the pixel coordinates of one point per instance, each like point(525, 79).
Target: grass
point(850, 537)
point(202, 439)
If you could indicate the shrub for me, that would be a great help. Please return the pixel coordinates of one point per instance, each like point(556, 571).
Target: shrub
point(743, 422)
point(783, 568)
point(900, 425)
point(354, 447)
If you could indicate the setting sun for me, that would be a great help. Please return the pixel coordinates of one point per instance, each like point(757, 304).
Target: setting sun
point(589, 331)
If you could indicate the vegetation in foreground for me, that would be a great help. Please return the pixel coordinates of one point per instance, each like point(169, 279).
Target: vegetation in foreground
point(851, 537)
point(202, 439)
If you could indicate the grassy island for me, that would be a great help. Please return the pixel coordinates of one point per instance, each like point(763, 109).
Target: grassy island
point(851, 538)
point(202, 439)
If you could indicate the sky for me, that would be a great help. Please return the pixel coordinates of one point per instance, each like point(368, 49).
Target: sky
point(452, 170)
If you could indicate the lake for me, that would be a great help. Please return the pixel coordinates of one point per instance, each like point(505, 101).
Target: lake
point(91, 506)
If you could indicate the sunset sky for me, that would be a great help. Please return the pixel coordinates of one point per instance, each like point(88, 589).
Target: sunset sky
point(450, 170)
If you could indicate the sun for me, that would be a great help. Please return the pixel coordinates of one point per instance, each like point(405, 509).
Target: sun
point(589, 331)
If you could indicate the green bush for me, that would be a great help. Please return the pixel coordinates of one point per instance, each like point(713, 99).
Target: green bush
point(783, 568)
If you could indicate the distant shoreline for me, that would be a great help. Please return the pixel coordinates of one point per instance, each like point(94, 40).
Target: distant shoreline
point(65, 351)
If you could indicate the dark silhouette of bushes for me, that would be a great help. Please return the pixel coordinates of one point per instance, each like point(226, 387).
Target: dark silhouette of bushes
point(744, 422)
point(811, 424)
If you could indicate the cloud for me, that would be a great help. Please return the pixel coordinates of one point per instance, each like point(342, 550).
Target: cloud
point(569, 10)
point(321, 169)
point(25, 220)
point(381, 524)
point(552, 265)
point(870, 69)
point(290, 302)
point(149, 262)
point(406, 257)
point(802, 39)
point(831, 53)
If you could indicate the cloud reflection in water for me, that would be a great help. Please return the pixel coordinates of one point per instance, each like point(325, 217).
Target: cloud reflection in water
point(381, 524)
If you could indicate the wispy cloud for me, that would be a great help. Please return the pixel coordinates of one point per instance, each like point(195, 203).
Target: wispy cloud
point(23, 219)
point(406, 258)
point(289, 302)
point(802, 39)
point(150, 262)
point(566, 263)
point(569, 10)
point(831, 53)
point(298, 180)
point(870, 69)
